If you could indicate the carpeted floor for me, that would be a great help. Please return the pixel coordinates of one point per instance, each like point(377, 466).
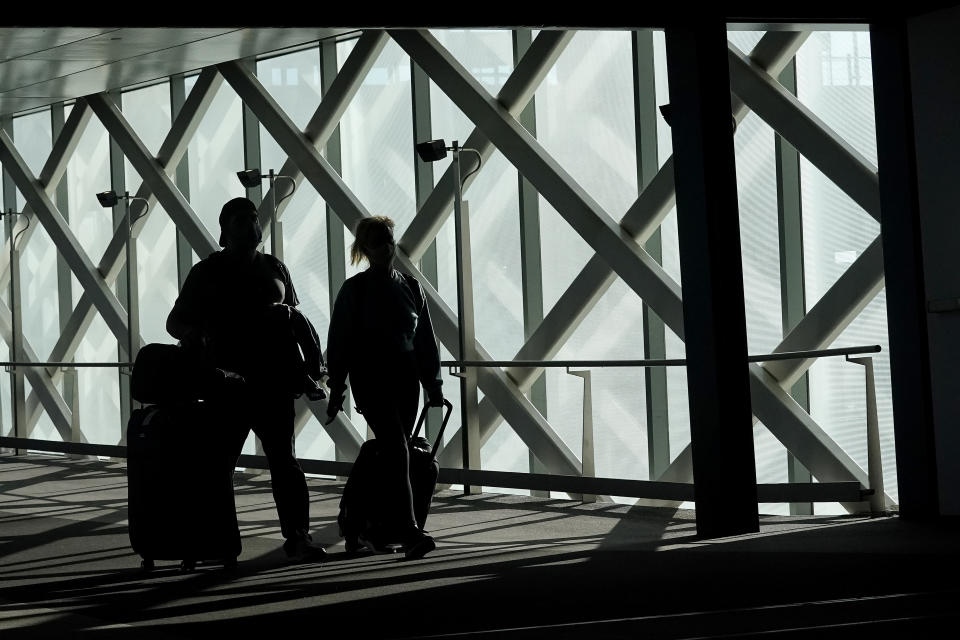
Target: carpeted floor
point(506, 566)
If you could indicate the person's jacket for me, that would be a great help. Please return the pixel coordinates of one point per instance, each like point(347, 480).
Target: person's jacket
point(377, 317)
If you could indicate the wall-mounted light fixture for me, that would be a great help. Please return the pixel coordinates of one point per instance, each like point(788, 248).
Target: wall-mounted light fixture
point(108, 200)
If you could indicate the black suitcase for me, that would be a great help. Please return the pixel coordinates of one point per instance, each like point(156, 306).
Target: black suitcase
point(359, 507)
point(180, 464)
point(168, 373)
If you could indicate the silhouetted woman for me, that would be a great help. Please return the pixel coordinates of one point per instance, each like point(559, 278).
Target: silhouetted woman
point(381, 336)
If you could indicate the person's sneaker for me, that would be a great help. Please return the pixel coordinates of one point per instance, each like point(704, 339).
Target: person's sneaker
point(419, 546)
point(375, 543)
point(302, 549)
point(352, 545)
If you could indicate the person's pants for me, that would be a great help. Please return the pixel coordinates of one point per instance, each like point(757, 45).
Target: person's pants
point(389, 399)
point(271, 417)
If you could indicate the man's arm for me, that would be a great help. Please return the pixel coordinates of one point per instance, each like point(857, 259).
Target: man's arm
point(185, 321)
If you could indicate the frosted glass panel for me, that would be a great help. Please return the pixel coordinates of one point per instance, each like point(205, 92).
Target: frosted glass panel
point(378, 140)
point(295, 83)
point(88, 173)
point(759, 236)
point(584, 120)
point(148, 112)
point(38, 267)
point(493, 199)
point(834, 78)
point(215, 155)
point(38, 259)
point(493, 204)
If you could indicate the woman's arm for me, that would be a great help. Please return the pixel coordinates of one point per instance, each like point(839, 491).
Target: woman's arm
point(428, 353)
point(340, 339)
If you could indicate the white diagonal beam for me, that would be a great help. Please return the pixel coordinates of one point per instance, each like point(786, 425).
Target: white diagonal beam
point(44, 390)
point(773, 52)
point(327, 117)
point(529, 424)
point(43, 387)
point(341, 430)
point(854, 174)
point(835, 310)
point(171, 152)
point(153, 175)
point(815, 449)
point(275, 111)
point(573, 306)
point(51, 174)
point(514, 96)
point(157, 181)
point(831, 154)
point(61, 235)
point(843, 302)
point(584, 215)
point(627, 258)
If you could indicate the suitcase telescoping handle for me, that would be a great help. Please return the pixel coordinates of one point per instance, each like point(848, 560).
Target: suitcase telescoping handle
point(448, 409)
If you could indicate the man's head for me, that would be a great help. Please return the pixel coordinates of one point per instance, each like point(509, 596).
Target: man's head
point(239, 225)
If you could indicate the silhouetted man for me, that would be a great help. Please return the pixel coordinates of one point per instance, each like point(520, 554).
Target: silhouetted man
point(227, 309)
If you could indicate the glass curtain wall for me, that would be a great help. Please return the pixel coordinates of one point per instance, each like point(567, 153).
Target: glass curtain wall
point(38, 260)
point(835, 81)
point(584, 119)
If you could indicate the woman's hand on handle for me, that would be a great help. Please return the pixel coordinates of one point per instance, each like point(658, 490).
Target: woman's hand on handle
point(435, 398)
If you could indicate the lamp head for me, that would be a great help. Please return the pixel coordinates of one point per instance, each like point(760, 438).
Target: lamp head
point(432, 151)
point(108, 199)
point(249, 178)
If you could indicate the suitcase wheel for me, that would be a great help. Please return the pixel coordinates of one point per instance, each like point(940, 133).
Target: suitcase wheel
point(188, 566)
point(147, 564)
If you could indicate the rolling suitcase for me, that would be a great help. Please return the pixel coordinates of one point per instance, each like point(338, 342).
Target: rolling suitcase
point(181, 454)
point(180, 487)
point(359, 509)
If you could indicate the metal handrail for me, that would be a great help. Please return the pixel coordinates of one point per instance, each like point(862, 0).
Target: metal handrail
point(675, 362)
point(789, 492)
point(66, 364)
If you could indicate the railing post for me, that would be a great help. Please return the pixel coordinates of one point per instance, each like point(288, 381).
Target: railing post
point(133, 311)
point(469, 392)
point(17, 391)
point(586, 457)
point(71, 388)
point(874, 458)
